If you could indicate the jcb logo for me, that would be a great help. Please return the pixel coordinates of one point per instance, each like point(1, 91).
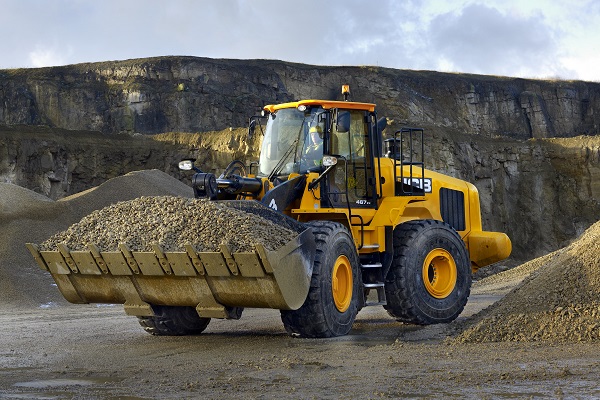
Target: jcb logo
point(420, 183)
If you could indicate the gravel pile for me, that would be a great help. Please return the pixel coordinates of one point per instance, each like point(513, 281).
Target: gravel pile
point(29, 217)
point(17, 202)
point(171, 222)
point(558, 302)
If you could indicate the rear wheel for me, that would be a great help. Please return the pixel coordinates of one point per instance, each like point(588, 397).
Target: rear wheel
point(332, 302)
point(174, 321)
point(430, 278)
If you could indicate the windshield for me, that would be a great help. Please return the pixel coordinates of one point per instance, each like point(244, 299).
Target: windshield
point(292, 141)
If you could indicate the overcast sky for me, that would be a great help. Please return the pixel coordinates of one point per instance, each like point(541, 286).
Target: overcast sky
point(521, 38)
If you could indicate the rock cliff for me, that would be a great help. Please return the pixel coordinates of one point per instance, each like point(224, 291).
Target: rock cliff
point(189, 94)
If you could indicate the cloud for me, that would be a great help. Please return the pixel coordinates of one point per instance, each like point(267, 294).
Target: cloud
point(482, 39)
point(357, 33)
point(46, 57)
point(511, 38)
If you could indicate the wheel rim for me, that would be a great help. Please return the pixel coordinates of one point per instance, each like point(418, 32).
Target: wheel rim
point(439, 273)
point(341, 283)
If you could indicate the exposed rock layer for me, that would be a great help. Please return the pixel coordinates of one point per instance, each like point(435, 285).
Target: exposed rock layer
point(190, 94)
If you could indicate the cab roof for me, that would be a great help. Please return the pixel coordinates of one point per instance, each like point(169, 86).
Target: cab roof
point(326, 104)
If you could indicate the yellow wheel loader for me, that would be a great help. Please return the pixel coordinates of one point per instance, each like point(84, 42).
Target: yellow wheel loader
point(374, 227)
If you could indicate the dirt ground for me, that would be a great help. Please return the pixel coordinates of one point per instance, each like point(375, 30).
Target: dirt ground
point(50, 349)
point(60, 351)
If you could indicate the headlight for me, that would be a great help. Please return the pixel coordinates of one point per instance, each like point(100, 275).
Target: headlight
point(186, 165)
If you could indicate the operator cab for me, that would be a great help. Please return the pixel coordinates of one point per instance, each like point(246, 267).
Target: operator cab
point(299, 134)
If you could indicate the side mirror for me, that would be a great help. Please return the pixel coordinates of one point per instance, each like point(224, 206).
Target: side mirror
point(381, 124)
point(342, 124)
point(329, 161)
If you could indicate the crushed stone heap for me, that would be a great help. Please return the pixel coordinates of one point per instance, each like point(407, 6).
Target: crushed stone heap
point(559, 302)
point(171, 222)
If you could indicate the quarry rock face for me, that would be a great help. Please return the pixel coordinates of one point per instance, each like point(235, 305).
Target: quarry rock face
point(59, 163)
point(190, 94)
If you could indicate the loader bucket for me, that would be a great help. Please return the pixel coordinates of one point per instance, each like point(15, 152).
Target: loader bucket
point(212, 282)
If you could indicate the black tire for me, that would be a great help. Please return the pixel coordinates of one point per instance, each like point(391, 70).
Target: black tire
point(325, 313)
point(429, 281)
point(174, 321)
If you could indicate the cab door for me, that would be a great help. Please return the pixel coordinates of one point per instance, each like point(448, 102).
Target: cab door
point(351, 183)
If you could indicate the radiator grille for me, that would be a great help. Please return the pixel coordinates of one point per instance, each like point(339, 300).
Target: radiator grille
point(452, 208)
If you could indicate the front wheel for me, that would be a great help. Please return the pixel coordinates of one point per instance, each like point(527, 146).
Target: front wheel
point(174, 321)
point(430, 278)
point(333, 298)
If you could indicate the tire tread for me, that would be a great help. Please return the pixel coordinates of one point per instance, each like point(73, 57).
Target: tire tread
point(173, 321)
point(309, 320)
point(401, 305)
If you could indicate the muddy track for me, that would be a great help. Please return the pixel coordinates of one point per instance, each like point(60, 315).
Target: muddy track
point(89, 352)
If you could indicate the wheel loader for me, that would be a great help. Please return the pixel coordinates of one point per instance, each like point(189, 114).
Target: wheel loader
point(375, 228)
